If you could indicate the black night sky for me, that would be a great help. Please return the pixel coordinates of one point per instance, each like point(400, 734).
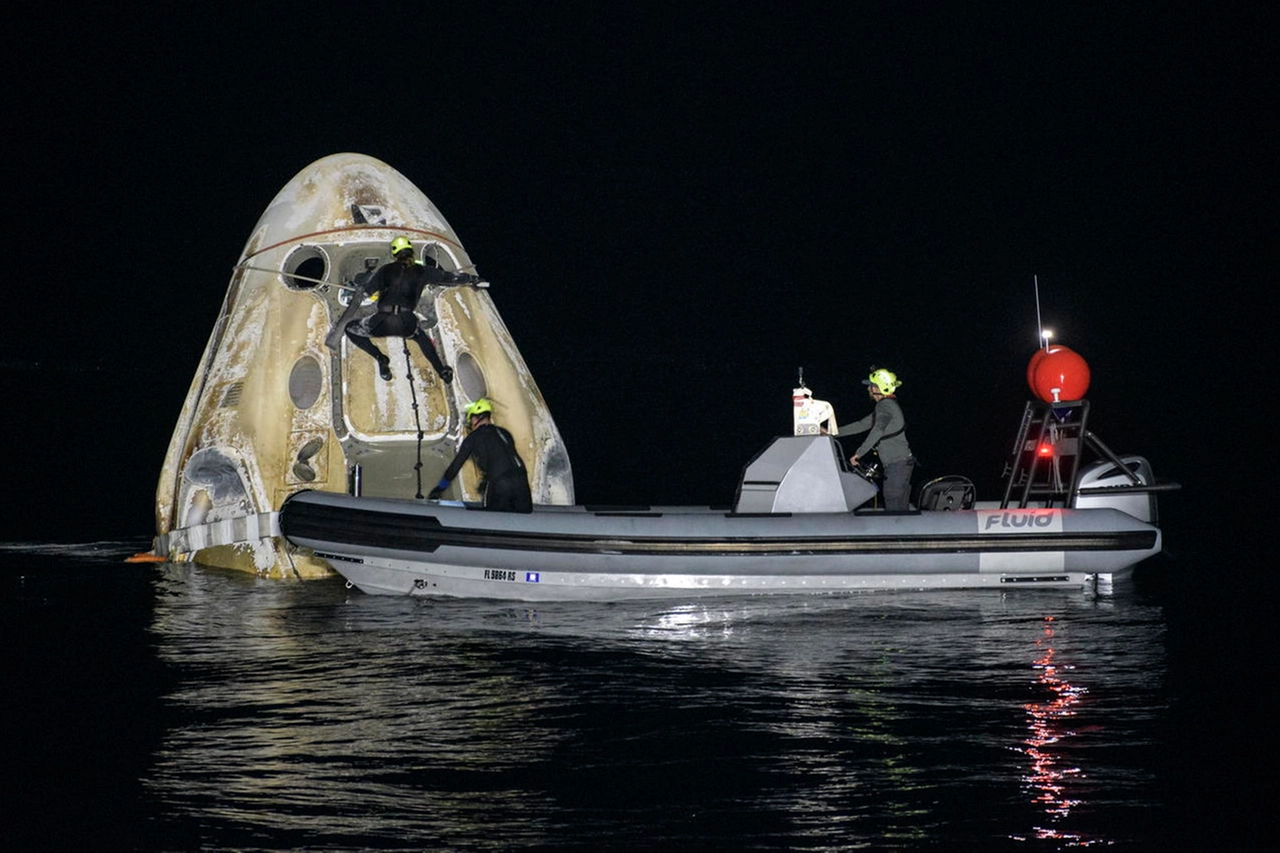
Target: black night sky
point(677, 208)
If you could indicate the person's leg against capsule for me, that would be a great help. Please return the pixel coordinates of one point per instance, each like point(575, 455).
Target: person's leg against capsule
point(367, 344)
point(429, 350)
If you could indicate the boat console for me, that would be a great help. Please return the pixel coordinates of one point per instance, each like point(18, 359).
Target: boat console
point(801, 473)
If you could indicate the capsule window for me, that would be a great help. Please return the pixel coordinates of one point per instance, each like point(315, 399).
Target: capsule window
point(305, 382)
point(470, 377)
point(435, 254)
point(305, 268)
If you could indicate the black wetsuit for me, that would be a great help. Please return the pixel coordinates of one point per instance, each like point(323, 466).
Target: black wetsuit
point(506, 487)
point(399, 288)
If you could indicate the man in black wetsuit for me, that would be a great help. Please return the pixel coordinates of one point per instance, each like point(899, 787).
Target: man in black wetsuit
point(397, 286)
point(506, 482)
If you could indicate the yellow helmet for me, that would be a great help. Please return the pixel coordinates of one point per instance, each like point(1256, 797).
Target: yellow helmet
point(885, 380)
point(480, 407)
point(399, 244)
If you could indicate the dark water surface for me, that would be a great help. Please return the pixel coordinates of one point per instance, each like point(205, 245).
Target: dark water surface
point(175, 707)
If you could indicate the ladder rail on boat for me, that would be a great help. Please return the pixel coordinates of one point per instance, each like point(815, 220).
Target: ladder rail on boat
point(1045, 465)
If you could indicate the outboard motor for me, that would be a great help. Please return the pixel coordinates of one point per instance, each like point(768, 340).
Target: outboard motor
point(1103, 484)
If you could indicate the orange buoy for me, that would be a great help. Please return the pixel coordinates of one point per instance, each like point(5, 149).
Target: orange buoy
point(1057, 374)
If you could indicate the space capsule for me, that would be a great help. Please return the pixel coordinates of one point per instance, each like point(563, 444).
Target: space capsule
point(273, 410)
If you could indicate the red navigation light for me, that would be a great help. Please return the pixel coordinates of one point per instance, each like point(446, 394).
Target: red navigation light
point(1044, 450)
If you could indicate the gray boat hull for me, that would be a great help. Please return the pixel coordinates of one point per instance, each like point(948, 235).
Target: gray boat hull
point(421, 548)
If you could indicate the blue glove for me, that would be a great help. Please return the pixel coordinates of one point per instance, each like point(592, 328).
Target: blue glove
point(435, 493)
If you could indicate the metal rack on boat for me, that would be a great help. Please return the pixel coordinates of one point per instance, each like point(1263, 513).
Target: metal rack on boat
point(1044, 468)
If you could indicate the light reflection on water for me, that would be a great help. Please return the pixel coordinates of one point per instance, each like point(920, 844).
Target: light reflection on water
point(1049, 726)
point(305, 714)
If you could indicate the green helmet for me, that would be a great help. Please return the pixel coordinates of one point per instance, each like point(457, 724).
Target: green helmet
point(399, 244)
point(885, 380)
point(480, 407)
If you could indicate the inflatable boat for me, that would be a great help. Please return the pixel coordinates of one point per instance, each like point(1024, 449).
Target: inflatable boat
point(803, 521)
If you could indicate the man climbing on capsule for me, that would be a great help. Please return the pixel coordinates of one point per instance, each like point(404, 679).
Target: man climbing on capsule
point(506, 482)
point(396, 288)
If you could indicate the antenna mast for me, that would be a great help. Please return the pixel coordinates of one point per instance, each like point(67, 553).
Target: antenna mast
point(1039, 325)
